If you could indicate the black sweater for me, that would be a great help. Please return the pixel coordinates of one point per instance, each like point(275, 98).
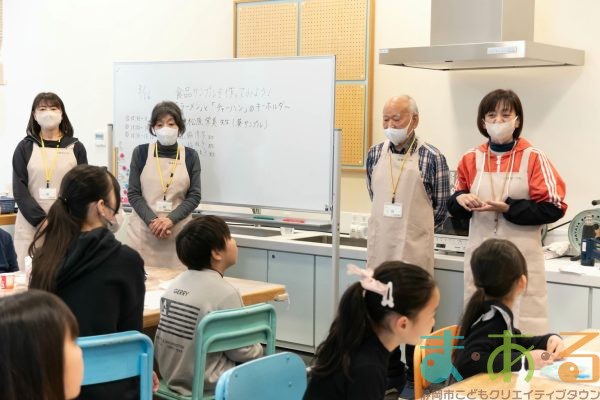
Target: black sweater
point(494, 321)
point(368, 372)
point(102, 282)
point(28, 206)
point(520, 212)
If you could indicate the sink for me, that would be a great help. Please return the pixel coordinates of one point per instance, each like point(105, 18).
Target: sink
point(344, 241)
point(253, 231)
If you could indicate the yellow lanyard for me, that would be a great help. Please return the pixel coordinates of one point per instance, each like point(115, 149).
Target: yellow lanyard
point(173, 168)
point(408, 154)
point(50, 171)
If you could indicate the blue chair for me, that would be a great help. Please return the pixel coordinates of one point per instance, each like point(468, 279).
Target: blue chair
point(115, 356)
point(275, 377)
point(226, 330)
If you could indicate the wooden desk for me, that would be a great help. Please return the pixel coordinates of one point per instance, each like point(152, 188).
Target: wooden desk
point(253, 292)
point(8, 219)
point(482, 386)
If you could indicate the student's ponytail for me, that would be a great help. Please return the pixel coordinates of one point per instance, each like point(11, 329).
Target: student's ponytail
point(497, 266)
point(57, 233)
point(361, 310)
point(347, 332)
point(81, 186)
point(474, 309)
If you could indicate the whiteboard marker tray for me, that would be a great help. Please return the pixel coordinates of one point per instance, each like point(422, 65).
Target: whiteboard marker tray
point(253, 231)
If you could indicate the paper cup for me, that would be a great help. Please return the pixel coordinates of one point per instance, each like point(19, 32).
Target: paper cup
point(7, 281)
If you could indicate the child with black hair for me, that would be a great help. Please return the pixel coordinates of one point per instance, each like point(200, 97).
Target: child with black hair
point(8, 256)
point(392, 305)
point(207, 249)
point(38, 348)
point(500, 277)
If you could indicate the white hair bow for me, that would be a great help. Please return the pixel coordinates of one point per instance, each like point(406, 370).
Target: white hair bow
point(373, 285)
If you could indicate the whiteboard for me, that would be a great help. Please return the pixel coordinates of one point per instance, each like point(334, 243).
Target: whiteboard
point(263, 128)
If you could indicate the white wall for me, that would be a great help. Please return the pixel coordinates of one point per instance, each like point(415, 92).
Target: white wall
point(68, 47)
point(561, 104)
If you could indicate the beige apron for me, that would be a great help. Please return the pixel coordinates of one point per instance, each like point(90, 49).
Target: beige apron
point(409, 238)
point(159, 252)
point(531, 315)
point(65, 161)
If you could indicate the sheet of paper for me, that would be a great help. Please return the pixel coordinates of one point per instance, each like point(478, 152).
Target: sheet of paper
point(584, 366)
point(152, 299)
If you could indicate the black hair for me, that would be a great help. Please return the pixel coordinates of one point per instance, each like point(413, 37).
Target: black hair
point(81, 186)
point(166, 108)
point(360, 311)
point(199, 238)
point(52, 100)
point(497, 266)
point(509, 100)
point(33, 328)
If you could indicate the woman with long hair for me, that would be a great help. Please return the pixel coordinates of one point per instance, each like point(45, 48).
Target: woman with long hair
point(40, 161)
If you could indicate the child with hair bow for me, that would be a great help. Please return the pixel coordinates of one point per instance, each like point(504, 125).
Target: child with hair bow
point(390, 306)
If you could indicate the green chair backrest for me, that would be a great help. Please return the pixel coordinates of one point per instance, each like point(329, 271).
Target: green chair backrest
point(227, 330)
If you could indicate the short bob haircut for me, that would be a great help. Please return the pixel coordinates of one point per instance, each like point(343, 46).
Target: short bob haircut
point(198, 238)
point(33, 328)
point(166, 108)
point(509, 100)
point(51, 100)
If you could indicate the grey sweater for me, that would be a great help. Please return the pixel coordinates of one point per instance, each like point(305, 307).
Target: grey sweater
point(191, 296)
point(135, 195)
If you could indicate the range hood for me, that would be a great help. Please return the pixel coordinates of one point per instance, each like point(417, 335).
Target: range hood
point(478, 34)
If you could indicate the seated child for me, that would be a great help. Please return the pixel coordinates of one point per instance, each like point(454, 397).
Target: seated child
point(40, 358)
point(8, 257)
point(206, 248)
point(392, 305)
point(500, 276)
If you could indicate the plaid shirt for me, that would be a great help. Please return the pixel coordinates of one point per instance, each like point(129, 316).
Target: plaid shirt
point(434, 173)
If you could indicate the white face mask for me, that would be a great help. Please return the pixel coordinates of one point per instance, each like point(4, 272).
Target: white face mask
point(48, 119)
point(115, 225)
point(501, 133)
point(397, 136)
point(167, 136)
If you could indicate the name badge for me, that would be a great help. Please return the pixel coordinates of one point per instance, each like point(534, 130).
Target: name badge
point(47, 193)
point(393, 210)
point(164, 206)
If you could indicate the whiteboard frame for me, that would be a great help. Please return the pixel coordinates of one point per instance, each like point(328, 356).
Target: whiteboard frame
point(328, 208)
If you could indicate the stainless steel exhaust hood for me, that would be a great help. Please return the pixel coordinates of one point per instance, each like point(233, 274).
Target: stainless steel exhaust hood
point(478, 34)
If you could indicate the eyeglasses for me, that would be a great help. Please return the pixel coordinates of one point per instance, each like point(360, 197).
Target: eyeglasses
point(110, 208)
point(504, 117)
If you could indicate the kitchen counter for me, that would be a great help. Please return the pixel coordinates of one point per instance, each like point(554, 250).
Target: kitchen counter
point(577, 275)
point(305, 268)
